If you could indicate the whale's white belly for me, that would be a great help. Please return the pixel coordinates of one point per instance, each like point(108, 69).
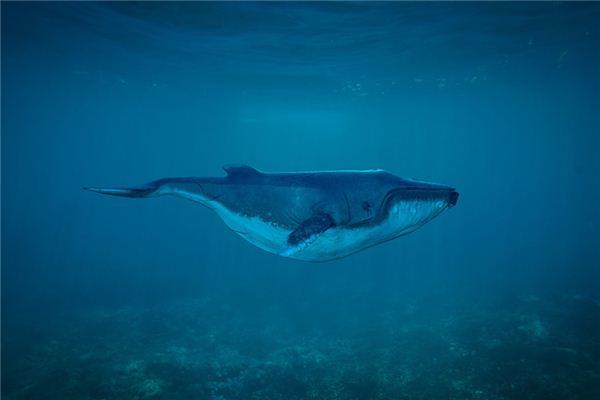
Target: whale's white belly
point(403, 217)
point(260, 233)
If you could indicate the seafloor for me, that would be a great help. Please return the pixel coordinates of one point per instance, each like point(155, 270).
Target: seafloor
point(519, 347)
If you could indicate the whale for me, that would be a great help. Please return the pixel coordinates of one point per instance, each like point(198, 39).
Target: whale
point(310, 216)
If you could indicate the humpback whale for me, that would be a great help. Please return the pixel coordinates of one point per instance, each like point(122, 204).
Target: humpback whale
point(310, 216)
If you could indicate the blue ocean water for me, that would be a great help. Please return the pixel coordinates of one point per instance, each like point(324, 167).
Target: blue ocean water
point(110, 298)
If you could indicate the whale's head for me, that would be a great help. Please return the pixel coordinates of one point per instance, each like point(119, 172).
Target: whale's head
point(402, 190)
point(395, 206)
point(409, 204)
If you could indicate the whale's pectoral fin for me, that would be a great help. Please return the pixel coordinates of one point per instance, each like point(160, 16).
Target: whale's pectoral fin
point(307, 232)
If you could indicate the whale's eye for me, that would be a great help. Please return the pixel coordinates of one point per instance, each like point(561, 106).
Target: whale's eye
point(366, 206)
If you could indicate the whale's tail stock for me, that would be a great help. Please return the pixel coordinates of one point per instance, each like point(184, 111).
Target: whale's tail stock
point(188, 188)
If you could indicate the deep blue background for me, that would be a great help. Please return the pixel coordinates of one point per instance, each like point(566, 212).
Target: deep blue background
point(499, 100)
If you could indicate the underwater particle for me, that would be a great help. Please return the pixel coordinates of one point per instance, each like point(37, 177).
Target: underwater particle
point(562, 56)
point(534, 328)
point(149, 388)
point(178, 354)
point(133, 366)
point(538, 329)
point(530, 298)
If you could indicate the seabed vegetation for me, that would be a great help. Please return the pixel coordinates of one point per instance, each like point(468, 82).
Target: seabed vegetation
point(525, 347)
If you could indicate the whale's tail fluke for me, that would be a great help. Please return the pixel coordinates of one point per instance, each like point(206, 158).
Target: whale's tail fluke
point(150, 189)
point(147, 191)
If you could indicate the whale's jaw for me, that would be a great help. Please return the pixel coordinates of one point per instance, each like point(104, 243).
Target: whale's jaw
point(403, 217)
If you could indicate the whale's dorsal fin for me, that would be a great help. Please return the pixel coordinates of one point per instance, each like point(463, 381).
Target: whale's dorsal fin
point(240, 170)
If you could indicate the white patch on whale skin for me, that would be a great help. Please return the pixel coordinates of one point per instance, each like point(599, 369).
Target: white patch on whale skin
point(404, 217)
point(262, 234)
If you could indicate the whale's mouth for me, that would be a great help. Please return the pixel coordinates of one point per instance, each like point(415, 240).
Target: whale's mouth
point(453, 198)
point(445, 196)
point(420, 191)
point(424, 191)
